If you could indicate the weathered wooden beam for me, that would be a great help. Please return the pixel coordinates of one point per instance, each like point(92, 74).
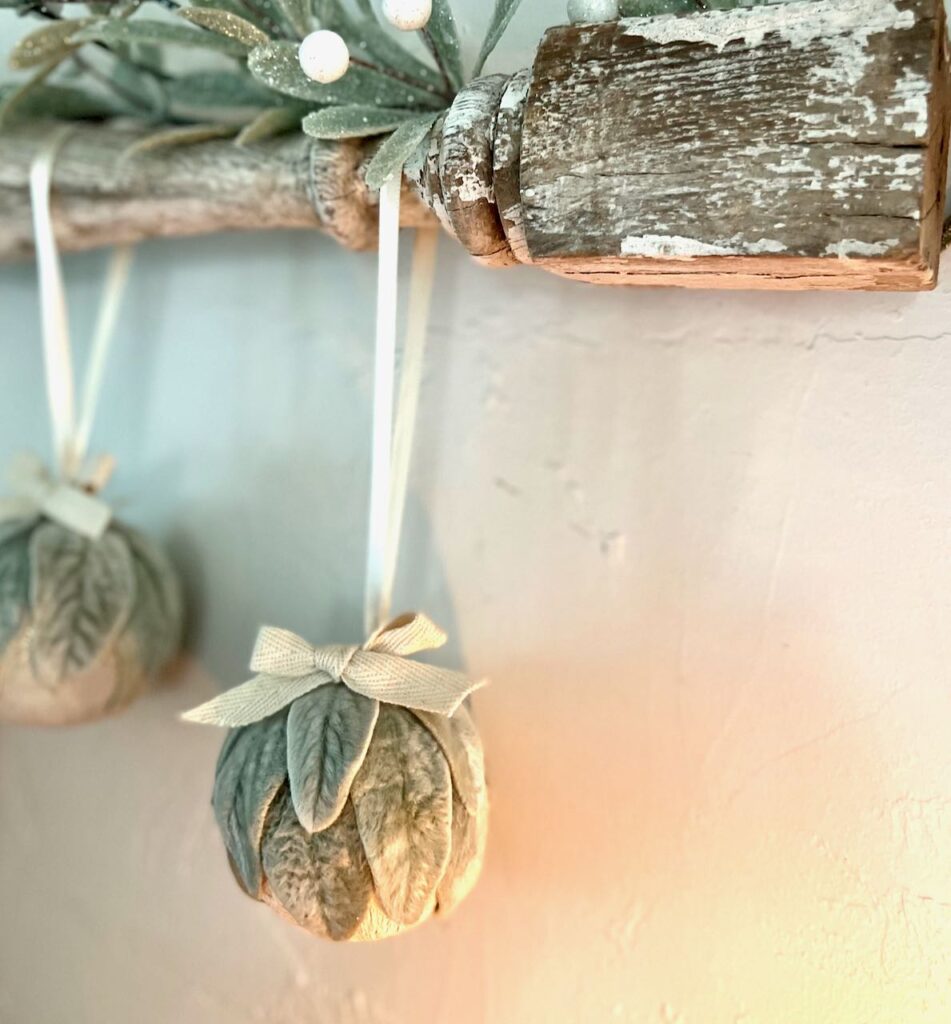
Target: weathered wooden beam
point(801, 145)
point(101, 198)
point(797, 145)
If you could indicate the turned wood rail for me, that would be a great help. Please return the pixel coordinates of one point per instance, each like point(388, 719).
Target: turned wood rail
point(797, 145)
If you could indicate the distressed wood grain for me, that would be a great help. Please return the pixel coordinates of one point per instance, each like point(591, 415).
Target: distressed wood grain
point(794, 145)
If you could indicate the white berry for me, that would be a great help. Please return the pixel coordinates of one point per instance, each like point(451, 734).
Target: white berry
point(590, 11)
point(408, 15)
point(324, 56)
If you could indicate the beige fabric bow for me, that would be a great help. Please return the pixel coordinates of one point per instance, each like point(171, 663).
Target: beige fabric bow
point(290, 667)
point(36, 492)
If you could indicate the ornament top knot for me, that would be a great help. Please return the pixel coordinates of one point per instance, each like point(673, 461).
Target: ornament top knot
point(324, 56)
point(591, 11)
point(408, 15)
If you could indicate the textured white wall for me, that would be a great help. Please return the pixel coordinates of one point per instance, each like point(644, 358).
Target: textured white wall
point(700, 543)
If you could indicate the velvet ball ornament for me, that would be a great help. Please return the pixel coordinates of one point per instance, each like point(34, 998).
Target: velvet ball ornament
point(324, 56)
point(355, 819)
point(85, 624)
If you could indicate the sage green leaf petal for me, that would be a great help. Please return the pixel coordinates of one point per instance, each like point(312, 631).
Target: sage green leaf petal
point(297, 14)
point(143, 30)
point(277, 66)
point(368, 39)
point(462, 746)
point(66, 102)
point(13, 101)
point(202, 89)
point(52, 41)
point(328, 733)
point(269, 123)
point(169, 138)
point(321, 880)
point(252, 767)
point(396, 150)
point(469, 833)
point(157, 614)
point(353, 122)
point(225, 23)
point(403, 801)
point(143, 91)
point(501, 16)
point(81, 595)
point(14, 576)
point(442, 37)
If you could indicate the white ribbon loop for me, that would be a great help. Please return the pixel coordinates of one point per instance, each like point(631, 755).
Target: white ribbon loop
point(380, 670)
point(37, 493)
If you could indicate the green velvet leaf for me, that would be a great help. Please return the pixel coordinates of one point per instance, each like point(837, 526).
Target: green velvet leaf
point(218, 89)
point(403, 801)
point(269, 123)
point(157, 614)
point(52, 41)
point(277, 66)
point(469, 831)
point(396, 150)
point(501, 16)
point(462, 747)
point(259, 13)
point(171, 138)
point(321, 880)
point(81, 594)
point(252, 767)
point(353, 122)
point(225, 23)
point(442, 37)
point(161, 33)
point(328, 733)
point(14, 576)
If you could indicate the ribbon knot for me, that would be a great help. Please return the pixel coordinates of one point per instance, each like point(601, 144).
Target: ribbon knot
point(36, 493)
point(289, 667)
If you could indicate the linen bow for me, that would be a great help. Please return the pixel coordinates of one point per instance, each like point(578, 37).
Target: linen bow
point(37, 492)
point(380, 669)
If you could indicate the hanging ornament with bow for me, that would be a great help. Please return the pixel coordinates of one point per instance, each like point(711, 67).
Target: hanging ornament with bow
point(90, 609)
point(351, 791)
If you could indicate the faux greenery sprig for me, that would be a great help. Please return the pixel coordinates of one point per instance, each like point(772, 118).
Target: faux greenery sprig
point(117, 59)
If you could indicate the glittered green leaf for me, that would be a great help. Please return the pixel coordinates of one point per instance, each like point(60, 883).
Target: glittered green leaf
point(143, 30)
point(442, 37)
point(277, 66)
point(501, 16)
point(218, 89)
point(13, 99)
point(403, 801)
point(252, 767)
point(392, 156)
point(14, 576)
point(81, 594)
point(156, 618)
point(368, 39)
point(353, 122)
point(171, 138)
point(462, 747)
point(269, 123)
point(225, 23)
point(142, 90)
point(328, 733)
point(321, 880)
point(297, 14)
point(52, 41)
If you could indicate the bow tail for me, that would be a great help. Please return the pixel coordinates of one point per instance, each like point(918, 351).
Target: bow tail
point(255, 700)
